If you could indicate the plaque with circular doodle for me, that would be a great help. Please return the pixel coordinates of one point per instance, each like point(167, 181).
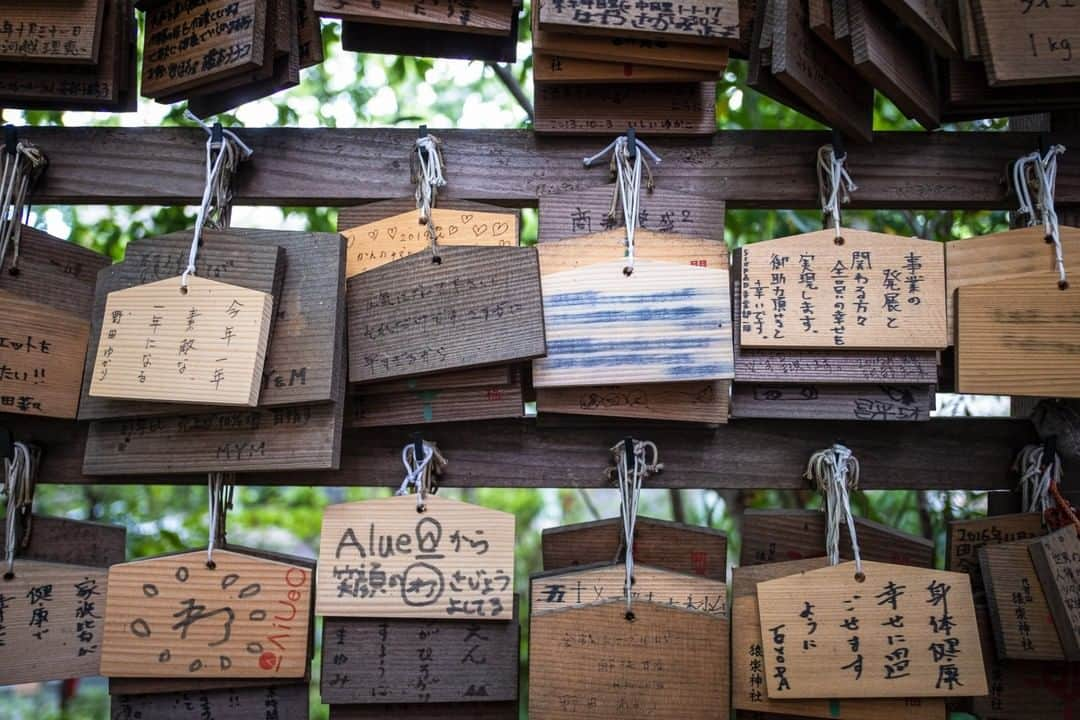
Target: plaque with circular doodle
point(176, 616)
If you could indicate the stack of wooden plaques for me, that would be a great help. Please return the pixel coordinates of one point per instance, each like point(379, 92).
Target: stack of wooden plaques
point(650, 66)
point(472, 30)
point(298, 420)
point(68, 55)
point(218, 54)
point(381, 232)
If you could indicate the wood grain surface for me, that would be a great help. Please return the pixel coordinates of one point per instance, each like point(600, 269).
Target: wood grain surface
point(353, 215)
point(831, 367)
point(966, 537)
point(73, 542)
point(53, 31)
point(373, 38)
point(309, 34)
point(437, 405)
point(562, 69)
point(46, 263)
point(663, 544)
point(702, 402)
point(484, 17)
point(586, 211)
point(1056, 558)
point(820, 17)
point(471, 378)
point(928, 19)
point(1022, 47)
point(903, 403)
point(560, 589)
point(711, 22)
point(237, 703)
point(428, 711)
point(662, 108)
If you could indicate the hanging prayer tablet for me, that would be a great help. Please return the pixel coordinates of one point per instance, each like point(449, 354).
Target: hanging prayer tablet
point(309, 31)
point(966, 537)
point(1057, 562)
point(373, 661)
point(75, 542)
point(173, 616)
point(667, 663)
point(928, 18)
point(374, 38)
point(375, 409)
point(687, 549)
point(560, 589)
point(588, 211)
point(428, 711)
point(703, 401)
point(284, 702)
point(879, 403)
point(1023, 625)
point(866, 290)
point(704, 21)
point(204, 343)
point(748, 670)
point(892, 631)
point(382, 558)
point(51, 31)
point(561, 69)
point(485, 17)
point(662, 108)
point(476, 306)
point(1028, 45)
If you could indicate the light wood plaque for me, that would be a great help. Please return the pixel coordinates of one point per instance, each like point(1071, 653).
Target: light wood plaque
point(382, 558)
point(51, 31)
point(874, 291)
point(486, 17)
point(703, 21)
point(915, 634)
point(173, 616)
point(592, 585)
point(705, 401)
point(205, 345)
point(378, 243)
point(1024, 44)
point(1057, 562)
point(966, 537)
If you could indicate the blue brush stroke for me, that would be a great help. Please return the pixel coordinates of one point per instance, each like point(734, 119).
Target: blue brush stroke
point(592, 297)
point(688, 312)
point(586, 361)
point(582, 345)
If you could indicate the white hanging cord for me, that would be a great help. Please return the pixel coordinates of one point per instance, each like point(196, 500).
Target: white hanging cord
point(22, 169)
point(627, 162)
point(836, 473)
point(428, 170)
point(1044, 200)
point(834, 184)
point(220, 492)
point(19, 475)
point(1022, 169)
point(215, 208)
point(632, 467)
point(1036, 477)
point(420, 472)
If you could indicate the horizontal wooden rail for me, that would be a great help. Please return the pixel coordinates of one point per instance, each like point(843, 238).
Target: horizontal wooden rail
point(330, 167)
point(946, 453)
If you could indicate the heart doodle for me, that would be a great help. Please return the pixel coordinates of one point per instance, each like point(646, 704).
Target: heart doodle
point(499, 228)
point(373, 234)
point(480, 229)
point(452, 230)
point(391, 231)
point(466, 219)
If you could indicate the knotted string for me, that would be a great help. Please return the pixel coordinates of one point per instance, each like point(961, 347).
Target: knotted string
point(428, 175)
point(20, 472)
point(215, 208)
point(1040, 484)
point(420, 472)
point(836, 472)
point(220, 492)
point(21, 171)
point(627, 163)
point(630, 477)
point(1038, 173)
point(834, 185)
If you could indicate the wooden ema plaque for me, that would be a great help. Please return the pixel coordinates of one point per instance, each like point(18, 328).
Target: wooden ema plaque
point(438, 405)
point(817, 76)
point(175, 617)
point(748, 670)
point(701, 21)
point(74, 542)
point(966, 537)
point(309, 34)
point(968, 96)
point(703, 402)
point(375, 244)
point(665, 108)
point(560, 69)
point(485, 17)
point(562, 589)
point(381, 558)
point(828, 367)
point(758, 72)
point(897, 632)
point(51, 618)
point(1019, 336)
point(820, 16)
point(771, 536)
point(377, 661)
point(373, 38)
point(240, 703)
point(1057, 563)
point(1023, 624)
point(686, 549)
point(928, 18)
point(833, 402)
point(428, 711)
point(603, 325)
point(873, 291)
point(352, 216)
point(585, 212)
point(666, 663)
point(476, 306)
point(205, 343)
point(1024, 44)
point(687, 56)
point(482, 377)
point(1002, 256)
point(60, 31)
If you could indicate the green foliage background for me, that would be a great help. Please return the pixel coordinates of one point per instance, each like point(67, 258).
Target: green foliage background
point(342, 92)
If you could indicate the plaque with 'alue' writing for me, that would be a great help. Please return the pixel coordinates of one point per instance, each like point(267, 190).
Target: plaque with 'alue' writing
point(748, 669)
point(51, 622)
point(62, 31)
point(966, 537)
point(702, 21)
point(374, 244)
point(203, 343)
point(377, 661)
point(1029, 42)
point(596, 584)
point(173, 616)
point(486, 17)
point(870, 291)
point(475, 306)
point(278, 702)
point(893, 631)
point(382, 558)
point(1057, 561)
point(666, 663)
point(1019, 336)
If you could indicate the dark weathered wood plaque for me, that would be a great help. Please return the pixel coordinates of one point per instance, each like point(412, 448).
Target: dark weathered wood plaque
point(279, 702)
point(668, 108)
point(373, 38)
point(704, 401)
point(966, 537)
point(1057, 562)
point(428, 711)
point(928, 18)
point(483, 17)
point(379, 660)
point(832, 402)
point(703, 21)
point(1023, 625)
point(437, 405)
point(74, 542)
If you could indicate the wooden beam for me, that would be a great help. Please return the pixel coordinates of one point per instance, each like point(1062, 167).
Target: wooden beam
point(560, 451)
point(331, 167)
